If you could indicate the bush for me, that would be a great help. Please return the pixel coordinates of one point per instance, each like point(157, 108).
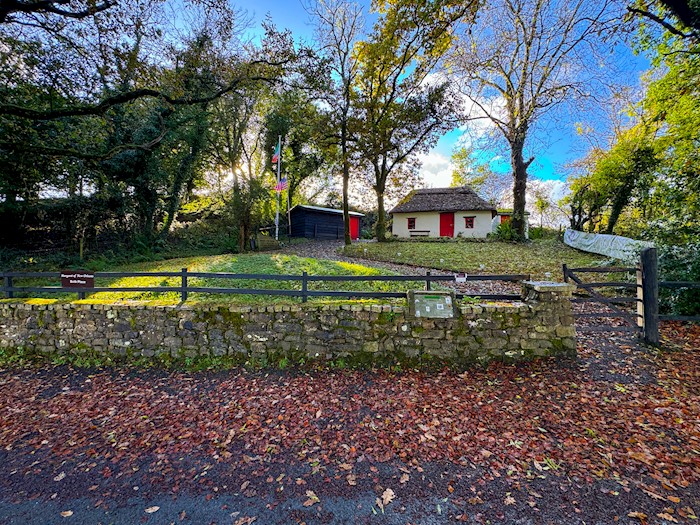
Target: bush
point(505, 232)
point(679, 263)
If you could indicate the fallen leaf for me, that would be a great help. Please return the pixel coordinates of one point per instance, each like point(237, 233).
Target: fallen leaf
point(510, 500)
point(666, 516)
point(674, 499)
point(61, 476)
point(313, 498)
point(639, 515)
point(66, 513)
point(151, 510)
point(352, 479)
point(388, 496)
point(245, 520)
point(404, 478)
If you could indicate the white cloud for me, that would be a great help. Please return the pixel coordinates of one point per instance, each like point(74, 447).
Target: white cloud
point(436, 170)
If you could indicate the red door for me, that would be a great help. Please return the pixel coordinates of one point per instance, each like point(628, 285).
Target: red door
point(354, 228)
point(447, 224)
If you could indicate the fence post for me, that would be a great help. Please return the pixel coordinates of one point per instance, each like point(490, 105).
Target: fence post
point(427, 281)
point(8, 284)
point(565, 269)
point(183, 291)
point(648, 295)
point(304, 287)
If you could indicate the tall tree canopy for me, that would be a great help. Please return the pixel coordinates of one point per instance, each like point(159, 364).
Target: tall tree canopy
point(524, 58)
point(403, 107)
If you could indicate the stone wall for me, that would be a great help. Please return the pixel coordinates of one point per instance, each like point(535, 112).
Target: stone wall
point(541, 325)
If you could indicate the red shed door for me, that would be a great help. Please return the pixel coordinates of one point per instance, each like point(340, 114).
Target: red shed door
point(447, 224)
point(354, 228)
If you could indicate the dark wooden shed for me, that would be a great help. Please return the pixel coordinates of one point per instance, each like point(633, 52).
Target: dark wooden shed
point(314, 222)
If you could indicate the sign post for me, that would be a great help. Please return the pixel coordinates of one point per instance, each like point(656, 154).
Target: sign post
point(78, 279)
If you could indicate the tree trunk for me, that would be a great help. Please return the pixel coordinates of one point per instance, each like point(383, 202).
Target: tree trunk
point(380, 227)
point(519, 222)
point(185, 173)
point(620, 200)
point(346, 181)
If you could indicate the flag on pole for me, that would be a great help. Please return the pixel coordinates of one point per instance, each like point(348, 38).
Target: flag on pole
point(276, 154)
point(281, 185)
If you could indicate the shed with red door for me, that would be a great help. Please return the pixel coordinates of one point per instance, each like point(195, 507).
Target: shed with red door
point(443, 212)
point(316, 222)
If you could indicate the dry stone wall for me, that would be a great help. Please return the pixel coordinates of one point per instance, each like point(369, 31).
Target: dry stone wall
point(541, 325)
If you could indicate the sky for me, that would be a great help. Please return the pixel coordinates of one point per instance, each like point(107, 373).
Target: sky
point(554, 144)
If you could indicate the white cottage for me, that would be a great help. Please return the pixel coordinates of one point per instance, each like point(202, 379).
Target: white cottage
point(443, 212)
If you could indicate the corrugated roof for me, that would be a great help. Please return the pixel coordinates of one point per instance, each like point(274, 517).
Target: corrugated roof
point(327, 210)
point(462, 198)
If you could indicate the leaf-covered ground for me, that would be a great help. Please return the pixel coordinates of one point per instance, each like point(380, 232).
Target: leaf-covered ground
point(611, 437)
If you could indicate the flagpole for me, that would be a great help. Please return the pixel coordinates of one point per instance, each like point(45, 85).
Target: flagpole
point(279, 165)
point(289, 215)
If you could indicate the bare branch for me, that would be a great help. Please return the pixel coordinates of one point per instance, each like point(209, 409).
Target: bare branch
point(7, 7)
point(666, 25)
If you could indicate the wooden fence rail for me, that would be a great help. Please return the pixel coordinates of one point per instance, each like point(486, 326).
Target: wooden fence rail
point(9, 287)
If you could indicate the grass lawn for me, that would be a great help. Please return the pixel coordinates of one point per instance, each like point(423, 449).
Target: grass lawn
point(536, 258)
point(249, 263)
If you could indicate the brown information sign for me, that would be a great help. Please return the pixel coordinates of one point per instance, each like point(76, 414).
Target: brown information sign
point(77, 279)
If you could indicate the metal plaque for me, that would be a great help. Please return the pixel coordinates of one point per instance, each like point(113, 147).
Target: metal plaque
point(431, 304)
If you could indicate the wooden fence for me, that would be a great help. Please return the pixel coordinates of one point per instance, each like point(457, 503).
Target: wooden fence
point(647, 285)
point(10, 288)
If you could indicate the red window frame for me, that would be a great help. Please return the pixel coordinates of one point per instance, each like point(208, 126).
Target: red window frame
point(411, 223)
point(469, 222)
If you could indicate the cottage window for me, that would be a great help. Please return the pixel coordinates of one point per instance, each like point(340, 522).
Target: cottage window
point(412, 223)
point(469, 222)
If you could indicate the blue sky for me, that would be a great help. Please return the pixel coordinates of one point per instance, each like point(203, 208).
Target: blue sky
point(555, 142)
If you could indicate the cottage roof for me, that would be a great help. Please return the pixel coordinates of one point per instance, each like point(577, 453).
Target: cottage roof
point(462, 198)
point(326, 210)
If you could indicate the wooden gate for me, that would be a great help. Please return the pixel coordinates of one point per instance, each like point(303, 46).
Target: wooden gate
point(604, 312)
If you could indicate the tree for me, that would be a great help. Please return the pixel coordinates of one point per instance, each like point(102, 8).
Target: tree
point(616, 178)
point(84, 71)
point(402, 110)
point(339, 25)
point(542, 204)
point(522, 59)
point(295, 119)
point(489, 184)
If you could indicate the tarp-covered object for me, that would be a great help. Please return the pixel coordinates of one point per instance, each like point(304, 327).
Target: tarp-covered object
point(622, 248)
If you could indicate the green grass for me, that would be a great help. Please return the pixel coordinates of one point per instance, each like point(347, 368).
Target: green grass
point(276, 264)
point(536, 258)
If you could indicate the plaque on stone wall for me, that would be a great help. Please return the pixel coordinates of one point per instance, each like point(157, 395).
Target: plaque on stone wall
point(432, 304)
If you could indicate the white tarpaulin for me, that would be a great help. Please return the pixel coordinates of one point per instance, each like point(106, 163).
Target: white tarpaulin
point(622, 248)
